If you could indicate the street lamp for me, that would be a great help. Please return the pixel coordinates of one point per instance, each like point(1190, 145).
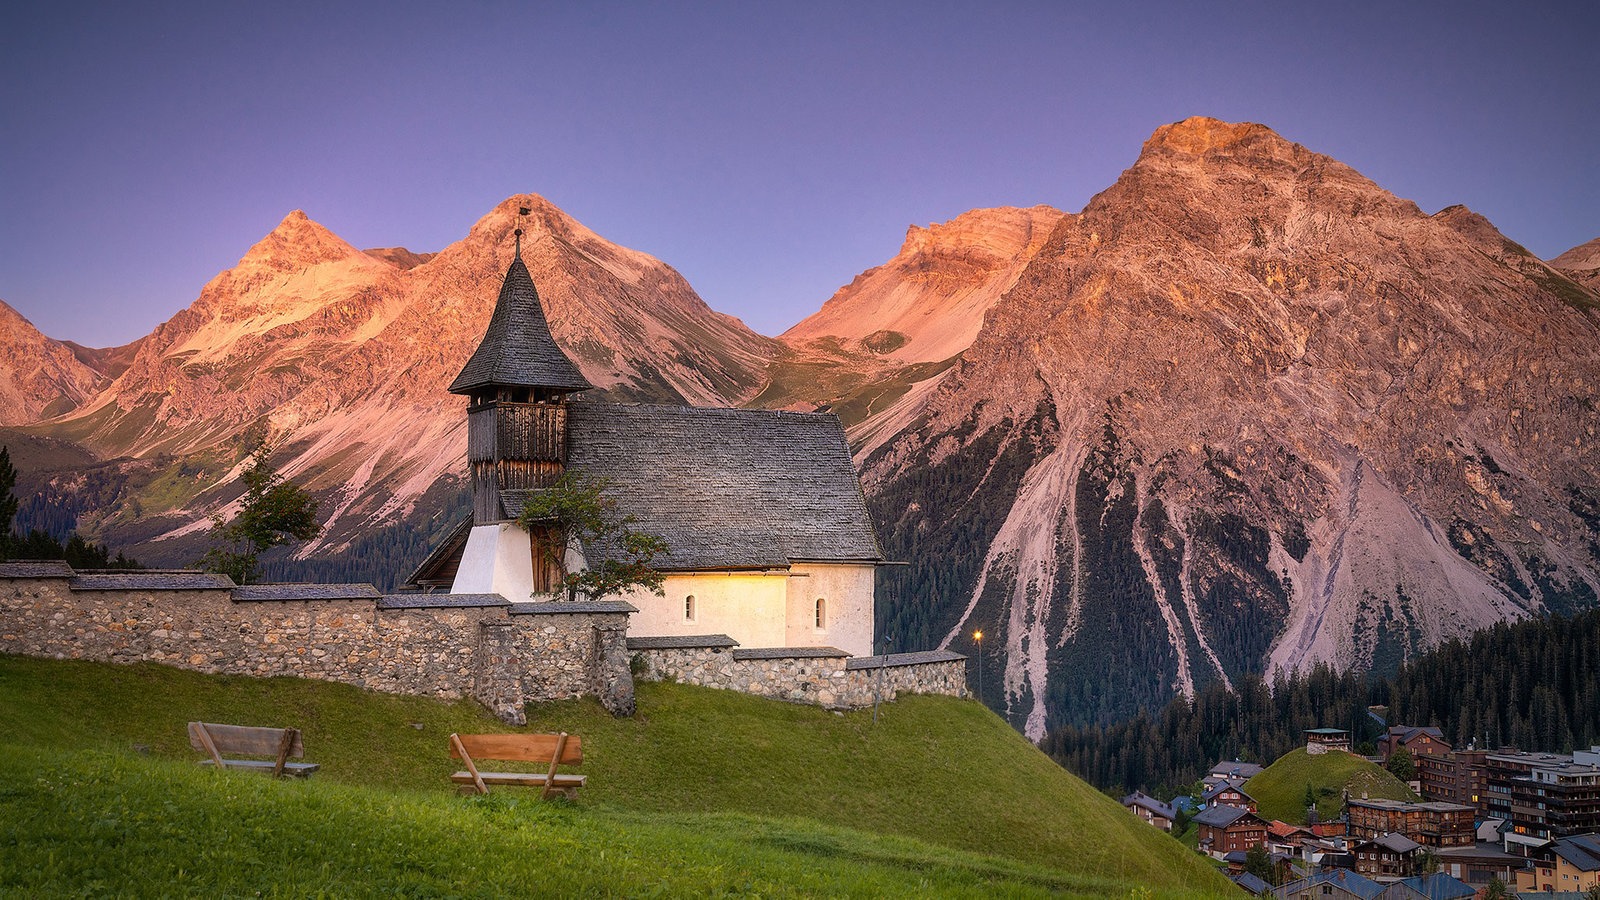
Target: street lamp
point(977, 636)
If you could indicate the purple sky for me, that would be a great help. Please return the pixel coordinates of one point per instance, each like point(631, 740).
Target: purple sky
point(767, 151)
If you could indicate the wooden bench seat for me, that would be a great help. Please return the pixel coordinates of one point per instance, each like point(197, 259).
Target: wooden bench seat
point(555, 749)
point(282, 744)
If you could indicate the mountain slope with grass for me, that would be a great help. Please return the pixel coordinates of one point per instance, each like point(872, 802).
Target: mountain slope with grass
point(1280, 789)
point(734, 790)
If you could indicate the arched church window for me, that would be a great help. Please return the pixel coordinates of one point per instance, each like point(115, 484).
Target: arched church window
point(822, 613)
point(688, 608)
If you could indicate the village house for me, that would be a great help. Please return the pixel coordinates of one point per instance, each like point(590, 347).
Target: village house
point(1431, 823)
point(1228, 793)
point(1569, 864)
point(1387, 857)
point(1151, 810)
point(1224, 829)
point(1227, 770)
point(769, 543)
point(1417, 740)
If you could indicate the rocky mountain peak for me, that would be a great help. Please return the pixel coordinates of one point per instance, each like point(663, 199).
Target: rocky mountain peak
point(1583, 256)
point(297, 243)
point(928, 303)
point(39, 376)
point(1201, 135)
point(1581, 264)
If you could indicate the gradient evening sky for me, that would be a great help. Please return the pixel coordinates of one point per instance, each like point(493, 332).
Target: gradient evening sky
point(769, 152)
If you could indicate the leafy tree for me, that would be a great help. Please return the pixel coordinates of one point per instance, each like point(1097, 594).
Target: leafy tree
point(1311, 796)
point(1401, 765)
point(1496, 890)
point(272, 513)
point(1259, 863)
point(581, 515)
point(1425, 862)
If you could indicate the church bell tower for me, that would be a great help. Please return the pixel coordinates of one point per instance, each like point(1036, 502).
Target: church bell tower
point(516, 384)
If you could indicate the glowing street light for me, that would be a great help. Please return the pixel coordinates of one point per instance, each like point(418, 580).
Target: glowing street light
point(977, 636)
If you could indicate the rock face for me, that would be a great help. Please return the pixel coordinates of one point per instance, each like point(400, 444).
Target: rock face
point(1246, 410)
point(341, 358)
point(1581, 264)
point(39, 377)
point(927, 304)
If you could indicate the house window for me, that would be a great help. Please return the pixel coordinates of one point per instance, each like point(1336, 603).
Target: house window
point(822, 614)
point(688, 608)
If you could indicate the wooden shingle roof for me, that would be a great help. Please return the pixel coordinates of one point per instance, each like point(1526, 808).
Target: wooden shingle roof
point(517, 349)
point(727, 488)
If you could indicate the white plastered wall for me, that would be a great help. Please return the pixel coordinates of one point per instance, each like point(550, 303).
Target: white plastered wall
point(749, 607)
point(497, 560)
point(847, 591)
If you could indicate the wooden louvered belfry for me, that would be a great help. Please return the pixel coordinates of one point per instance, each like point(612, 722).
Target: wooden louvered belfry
point(517, 383)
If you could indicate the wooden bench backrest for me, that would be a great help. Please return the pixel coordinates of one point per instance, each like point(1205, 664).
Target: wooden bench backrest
point(247, 740)
point(526, 747)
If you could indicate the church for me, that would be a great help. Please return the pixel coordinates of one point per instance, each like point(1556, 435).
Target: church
point(768, 537)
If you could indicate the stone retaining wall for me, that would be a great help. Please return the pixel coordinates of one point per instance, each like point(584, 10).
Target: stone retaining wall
point(823, 676)
point(449, 646)
point(443, 645)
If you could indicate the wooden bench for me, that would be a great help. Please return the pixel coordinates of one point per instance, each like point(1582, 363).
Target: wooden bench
point(556, 749)
point(279, 743)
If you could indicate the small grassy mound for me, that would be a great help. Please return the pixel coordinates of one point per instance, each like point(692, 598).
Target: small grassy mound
point(744, 789)
point(1280, 789)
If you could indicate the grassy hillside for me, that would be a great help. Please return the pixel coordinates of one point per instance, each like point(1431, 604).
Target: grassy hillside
point(719, 791)
point(1280, 789)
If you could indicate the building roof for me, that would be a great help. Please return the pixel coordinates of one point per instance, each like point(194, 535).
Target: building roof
point(1235, 769)
point(1327, 732)
point(1437, 886)
point(1145, 801)
point(725, 488)
point(1582, 851)
point(1403, 805)
point(1405, 734)
point(440, 565)
point(1396, 842)
point(1344, 879)
point(1222, 787)
point(1250, 883)
point(1221, 816)
point(517, 348)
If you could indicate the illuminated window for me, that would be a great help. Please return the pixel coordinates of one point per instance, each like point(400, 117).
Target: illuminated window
point(688, 608)
point(822, 614)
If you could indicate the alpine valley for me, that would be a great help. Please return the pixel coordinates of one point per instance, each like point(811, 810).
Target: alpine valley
point(1245, 410)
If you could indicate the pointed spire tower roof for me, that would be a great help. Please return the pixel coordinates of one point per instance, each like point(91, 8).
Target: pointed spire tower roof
point(518, 349)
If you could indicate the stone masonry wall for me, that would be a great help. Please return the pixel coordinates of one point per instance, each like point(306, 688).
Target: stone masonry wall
point(820, 676)
point(496, 653)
